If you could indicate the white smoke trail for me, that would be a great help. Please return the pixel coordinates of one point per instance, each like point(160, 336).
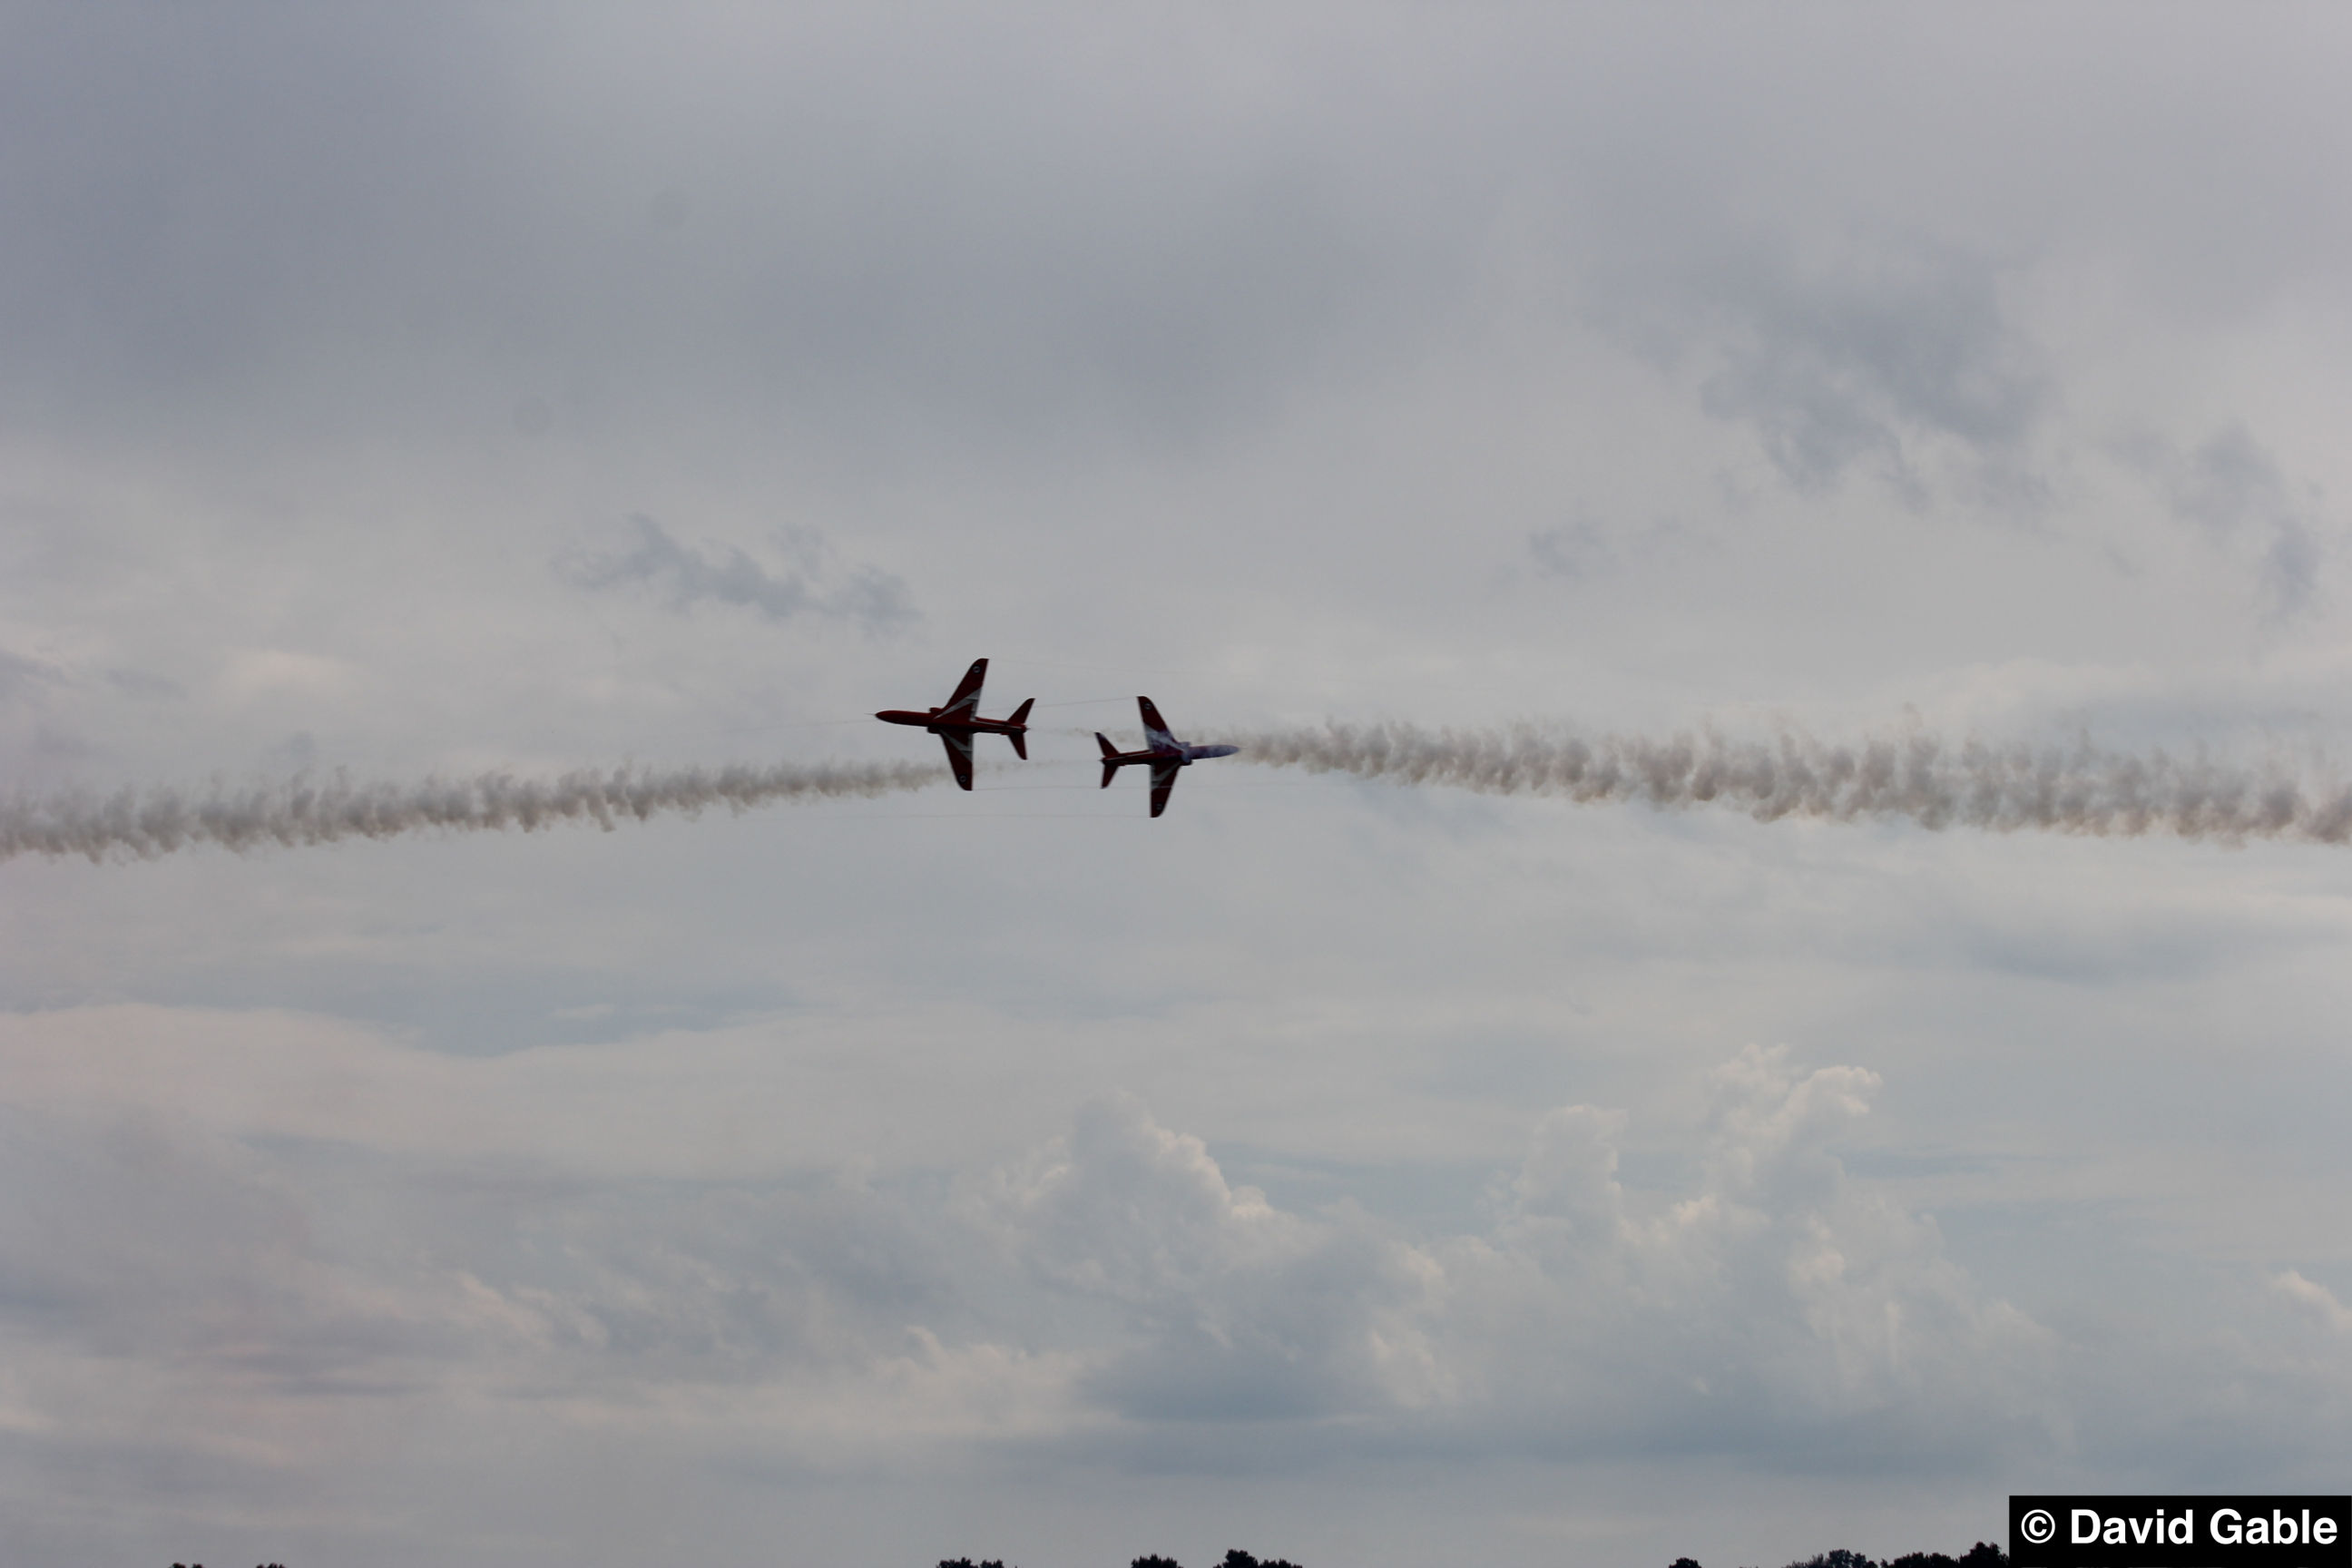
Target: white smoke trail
point(142, 825)
point(2083, 790)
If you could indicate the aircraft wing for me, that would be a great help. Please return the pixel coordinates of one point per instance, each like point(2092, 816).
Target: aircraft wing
point(1155, 728)
point(1163, 781)
point(965, 703)
point(959, 745)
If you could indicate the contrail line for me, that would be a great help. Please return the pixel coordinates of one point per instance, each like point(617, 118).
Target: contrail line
point(2081, 790)
point(136, 824)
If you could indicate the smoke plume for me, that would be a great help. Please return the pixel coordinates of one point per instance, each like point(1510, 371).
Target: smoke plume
point(2079, 790)
point(142, 825)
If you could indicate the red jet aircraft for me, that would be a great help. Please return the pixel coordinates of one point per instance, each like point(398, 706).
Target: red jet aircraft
point(960, 721)
point(1161, 750)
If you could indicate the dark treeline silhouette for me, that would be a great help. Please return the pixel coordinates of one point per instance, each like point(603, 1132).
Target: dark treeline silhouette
point(1981, 1555)
point(1236, 1558)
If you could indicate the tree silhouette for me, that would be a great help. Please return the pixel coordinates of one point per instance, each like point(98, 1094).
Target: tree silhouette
point(1983, 1554)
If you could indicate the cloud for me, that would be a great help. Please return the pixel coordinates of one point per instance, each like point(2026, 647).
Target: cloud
point(969, 246)
point(1583, 549)
point(146, 685)
point(1278, 346)
point(252, 674)
point(1237, 1311)
point(287, 1261)
point(2314, 1299)
point(1882, 360)
point(875, 599)
point(2231, 487)
point(208, 1258)
point(1575, 551)
point(19, 675)
point(1779, 1305)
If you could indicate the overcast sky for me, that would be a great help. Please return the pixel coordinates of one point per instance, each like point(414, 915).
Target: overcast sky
point(1371, 1175)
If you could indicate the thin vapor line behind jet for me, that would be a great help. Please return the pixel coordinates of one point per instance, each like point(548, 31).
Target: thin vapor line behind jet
point(144, 824)
point(2081, 790)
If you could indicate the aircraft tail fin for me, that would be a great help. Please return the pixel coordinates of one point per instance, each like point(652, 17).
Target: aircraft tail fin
point(1111, 758)
point(1021, 715)
point(1020, 739)
point(1104, 740)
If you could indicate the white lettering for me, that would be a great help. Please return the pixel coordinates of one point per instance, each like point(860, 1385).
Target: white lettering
point(2322, 1532)
point(2226, 1529)
point(2184, 1529)
point(2083, 1533)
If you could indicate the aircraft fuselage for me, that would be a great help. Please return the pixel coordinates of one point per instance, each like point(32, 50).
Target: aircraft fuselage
point(1163, 753)
point(930, 720)
point(1176, 753)
point(957, 720)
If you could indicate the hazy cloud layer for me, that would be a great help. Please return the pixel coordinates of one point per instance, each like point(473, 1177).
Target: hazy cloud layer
point(1376, 1173)
point(1111, 1286)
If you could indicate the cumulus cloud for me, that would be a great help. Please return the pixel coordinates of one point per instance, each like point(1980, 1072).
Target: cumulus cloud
point(812, 584)
point(1235, 1309)
point(1780, 1304)
point(1110, 1288)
